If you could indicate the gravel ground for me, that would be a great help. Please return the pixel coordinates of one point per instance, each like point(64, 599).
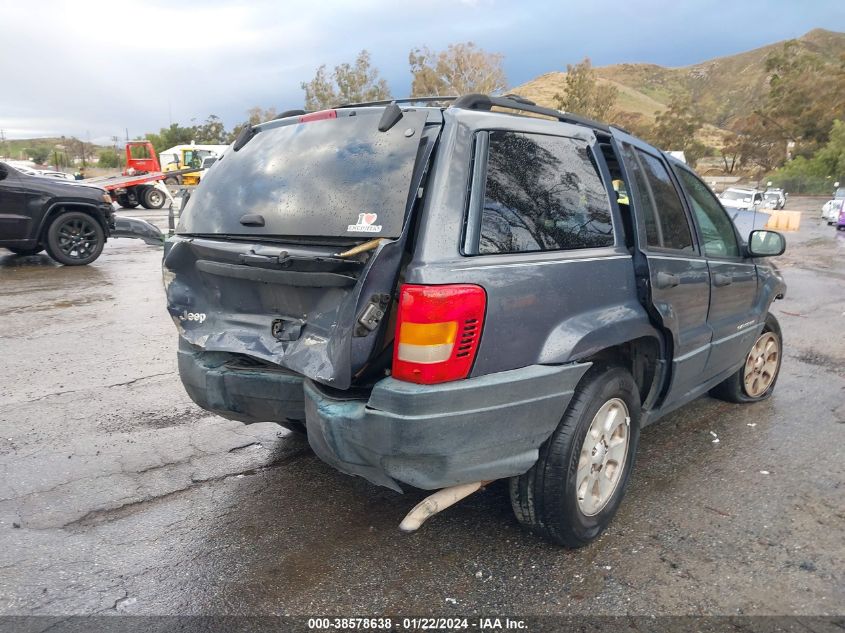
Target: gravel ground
point(118, 494)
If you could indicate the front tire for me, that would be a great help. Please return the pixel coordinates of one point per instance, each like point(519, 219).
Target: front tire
point(75, 239)
point(755, 380)
point(573, 491)
point(126, 202)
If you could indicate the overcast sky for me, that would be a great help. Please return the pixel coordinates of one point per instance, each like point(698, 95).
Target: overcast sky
point(92, 69)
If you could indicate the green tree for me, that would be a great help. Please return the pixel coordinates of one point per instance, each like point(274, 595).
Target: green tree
point(634, 122)
point(259, 115)
point(584, 95)
point(675, 127)
point(349, 83)
point(695, 150)
point(255, 115)
point(754, 144)
point(38, 155)
point(108, 159)
point(805, 96)
point(816, 174)
point(169, 136)
point(831, 158)
point(211, 132)
point(461, 69)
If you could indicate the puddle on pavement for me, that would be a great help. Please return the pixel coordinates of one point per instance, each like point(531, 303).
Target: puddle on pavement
point(47, 306)
point(31, 261)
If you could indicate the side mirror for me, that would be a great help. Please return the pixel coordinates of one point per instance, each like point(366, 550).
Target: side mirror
point(208, 161)
point(2, 173)
point(764, 243)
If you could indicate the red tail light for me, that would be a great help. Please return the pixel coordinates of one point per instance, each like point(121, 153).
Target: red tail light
point(437, 332)
point(318, 116)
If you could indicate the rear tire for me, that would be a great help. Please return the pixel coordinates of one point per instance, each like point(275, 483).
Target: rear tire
point(141, 194)
point(75, 239)
point(745, 385)
point(573, 491)
point(152, 198)
point(173, 180)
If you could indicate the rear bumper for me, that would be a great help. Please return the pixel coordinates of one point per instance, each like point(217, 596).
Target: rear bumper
point(433, 436)
point(240, 393)
point(124, 226)
point(426, 436)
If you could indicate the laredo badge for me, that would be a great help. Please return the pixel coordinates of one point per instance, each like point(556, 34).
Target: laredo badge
point(365, 224)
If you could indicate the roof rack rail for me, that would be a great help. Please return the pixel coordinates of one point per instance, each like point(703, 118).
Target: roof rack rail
point(389, 101)
point(516, 102)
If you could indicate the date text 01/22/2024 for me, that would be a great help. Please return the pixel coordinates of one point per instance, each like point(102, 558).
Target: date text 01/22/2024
point(417, 624)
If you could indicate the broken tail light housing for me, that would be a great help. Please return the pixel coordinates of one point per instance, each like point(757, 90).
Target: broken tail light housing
point(437, 332)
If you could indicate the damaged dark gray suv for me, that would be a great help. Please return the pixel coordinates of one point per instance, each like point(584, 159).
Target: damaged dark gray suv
point(446, 296)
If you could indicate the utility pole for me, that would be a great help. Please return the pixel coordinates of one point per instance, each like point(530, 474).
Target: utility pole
point(114, 147)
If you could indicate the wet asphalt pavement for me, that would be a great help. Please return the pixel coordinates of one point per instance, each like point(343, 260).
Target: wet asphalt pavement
point(118, 494)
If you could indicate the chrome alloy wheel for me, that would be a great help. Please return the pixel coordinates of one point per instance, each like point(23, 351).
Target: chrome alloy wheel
point(603, 455)
point(761, 366)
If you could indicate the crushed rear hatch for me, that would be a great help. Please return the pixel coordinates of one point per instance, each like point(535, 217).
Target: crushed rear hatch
point(256, 268)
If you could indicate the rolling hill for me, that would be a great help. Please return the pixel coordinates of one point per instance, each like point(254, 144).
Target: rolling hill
point(722, 88)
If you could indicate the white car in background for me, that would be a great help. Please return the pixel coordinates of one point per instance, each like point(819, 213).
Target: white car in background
point(742, 198)
point(774, 199)
point(59, 175)
point(832, 208)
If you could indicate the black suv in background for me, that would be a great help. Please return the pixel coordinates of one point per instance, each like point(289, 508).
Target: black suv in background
point(71, 221)
point(441, 297)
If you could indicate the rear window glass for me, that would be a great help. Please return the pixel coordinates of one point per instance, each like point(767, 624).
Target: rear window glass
point(542, 193)
point(334, 178)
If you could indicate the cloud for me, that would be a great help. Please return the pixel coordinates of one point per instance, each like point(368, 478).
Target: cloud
point(93, 69)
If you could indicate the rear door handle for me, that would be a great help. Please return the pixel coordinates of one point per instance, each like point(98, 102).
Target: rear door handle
point(722, 280)
point(667, 280)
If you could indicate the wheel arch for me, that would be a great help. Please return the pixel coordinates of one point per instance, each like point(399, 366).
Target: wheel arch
point(643, 357)
point(622, 335)
point(59, 208)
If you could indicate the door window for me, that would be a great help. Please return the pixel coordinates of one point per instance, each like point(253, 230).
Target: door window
point(542, 193)
point(139, 151)
point(717, 229)
point(665, 220)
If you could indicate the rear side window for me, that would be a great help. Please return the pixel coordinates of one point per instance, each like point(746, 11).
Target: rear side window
point(666, 222)
point(542, 193)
